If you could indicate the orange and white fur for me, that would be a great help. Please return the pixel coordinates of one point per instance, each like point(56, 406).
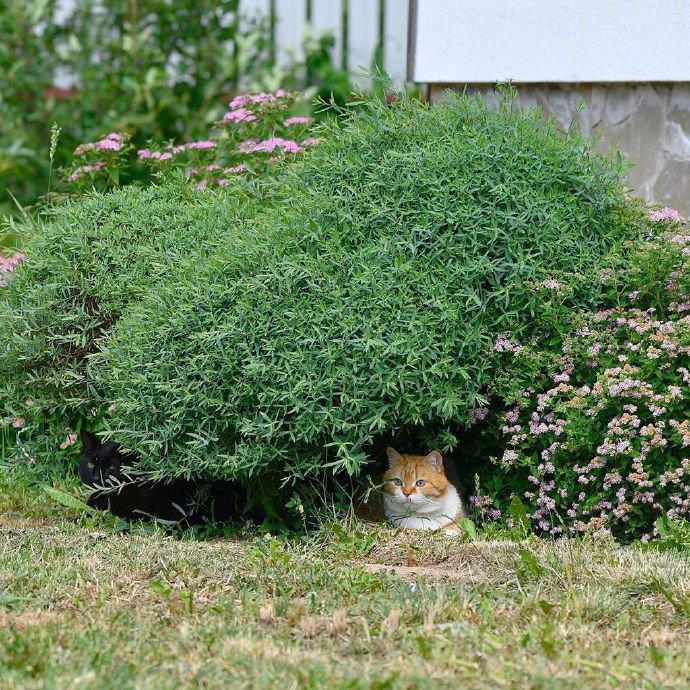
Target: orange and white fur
point(418, 495)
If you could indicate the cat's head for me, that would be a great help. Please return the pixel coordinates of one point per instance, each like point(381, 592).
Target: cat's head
point(415, 480)
point(101, 463)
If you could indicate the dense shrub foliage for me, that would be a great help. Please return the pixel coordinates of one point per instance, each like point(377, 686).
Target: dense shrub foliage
point(84, 266)
point(600, 442)
point(370, 302)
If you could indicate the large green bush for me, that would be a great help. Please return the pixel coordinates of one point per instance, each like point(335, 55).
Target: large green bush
point(87, 262)
point(369, 301)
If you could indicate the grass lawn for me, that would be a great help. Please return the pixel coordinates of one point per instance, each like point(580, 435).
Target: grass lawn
point(83, 606)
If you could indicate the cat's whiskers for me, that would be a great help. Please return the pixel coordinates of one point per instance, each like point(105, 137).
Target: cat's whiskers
point(407, 505)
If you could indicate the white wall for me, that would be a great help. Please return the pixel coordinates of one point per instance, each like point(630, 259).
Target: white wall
point(484, 41)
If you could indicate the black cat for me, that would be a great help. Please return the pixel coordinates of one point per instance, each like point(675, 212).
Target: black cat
point(101, 463)
point(102, 466)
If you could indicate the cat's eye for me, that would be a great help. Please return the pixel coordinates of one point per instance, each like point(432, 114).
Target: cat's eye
point(397, 482)
point(420, 482)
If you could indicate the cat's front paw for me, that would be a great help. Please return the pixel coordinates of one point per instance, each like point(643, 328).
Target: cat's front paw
point(452, 531)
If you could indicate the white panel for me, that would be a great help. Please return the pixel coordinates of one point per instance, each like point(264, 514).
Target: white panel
point(327, 15)
point(290, 19)
point(363, 36)
point(552, 41)
point(63, 9)
point(396, 40)
point(253, 8)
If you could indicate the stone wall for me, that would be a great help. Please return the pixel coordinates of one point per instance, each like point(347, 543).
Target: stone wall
point(648, 123)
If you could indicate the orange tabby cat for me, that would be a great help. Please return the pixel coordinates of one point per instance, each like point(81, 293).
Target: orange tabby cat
point(418, 495)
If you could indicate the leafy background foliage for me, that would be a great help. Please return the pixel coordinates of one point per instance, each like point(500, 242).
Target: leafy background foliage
point(150, 68)
point(426, 275)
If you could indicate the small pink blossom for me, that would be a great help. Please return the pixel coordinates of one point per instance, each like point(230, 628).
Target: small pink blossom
point(247, 146)
point(504, 344)
point(269, 145)
point(236, 169)
point(83, 148)
point(666, 213)
point(84, 169)
point(551, 284)
point(298, 120)
point(70, 440)
point(239, 115)
point(509, 456)
point(9, 263)
point(108, 145)
point(204, 144)
point(478, 414)
point(257, 98)
point(18, 422)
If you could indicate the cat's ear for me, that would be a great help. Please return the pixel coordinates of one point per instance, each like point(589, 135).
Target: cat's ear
point(393, 456)
point(435, 459)
point(90, 441)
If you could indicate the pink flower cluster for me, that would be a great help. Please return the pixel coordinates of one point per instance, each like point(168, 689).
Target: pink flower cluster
point(145, 154)
point(261, 99)
point(216, 161)
point(298, 120)
point(8, 264)
point(112, 142)
point(479, 414)
point(270, 145)
point(85, 169)
point(666, 213)
point(204, 144)
point(109, 150)
point(170, 151)
point(549, 284)
point(612, 438)
point(239, 115)
point(485, 505)
point(505, 344)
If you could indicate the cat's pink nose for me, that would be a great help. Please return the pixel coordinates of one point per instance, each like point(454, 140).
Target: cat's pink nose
point(407, 491)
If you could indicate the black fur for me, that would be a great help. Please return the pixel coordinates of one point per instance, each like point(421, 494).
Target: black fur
point(102, 466)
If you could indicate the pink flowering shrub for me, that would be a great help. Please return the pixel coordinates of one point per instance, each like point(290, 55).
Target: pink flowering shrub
point(596, 435)
point(254, 135)
point(98, 163)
